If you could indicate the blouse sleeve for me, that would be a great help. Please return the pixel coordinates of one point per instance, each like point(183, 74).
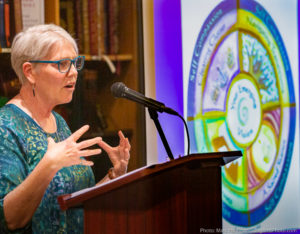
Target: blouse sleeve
point(13, 167)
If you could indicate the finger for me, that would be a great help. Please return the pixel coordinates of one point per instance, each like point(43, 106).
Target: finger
point(128, 146)
point(122, 139)
point(88, 143)
point(124, 142)
point(83, 162)
point(76, 135)
point(124, 149)
point(105, 146)
point(50, 141)
point(126, 154)
point(86, 153)
point(121, 135)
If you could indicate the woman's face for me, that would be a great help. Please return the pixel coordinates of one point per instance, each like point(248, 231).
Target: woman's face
point(51, 85)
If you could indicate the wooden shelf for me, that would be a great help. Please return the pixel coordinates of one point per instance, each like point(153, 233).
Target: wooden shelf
point(5, 50)
point(88, 57)
point(117, 57)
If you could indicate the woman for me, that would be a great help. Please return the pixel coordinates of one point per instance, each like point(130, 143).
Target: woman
point(39, 157)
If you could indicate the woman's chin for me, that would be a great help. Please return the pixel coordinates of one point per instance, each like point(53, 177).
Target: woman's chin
point(66, 100)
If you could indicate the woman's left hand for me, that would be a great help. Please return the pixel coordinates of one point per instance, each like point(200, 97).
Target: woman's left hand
point(119, 155)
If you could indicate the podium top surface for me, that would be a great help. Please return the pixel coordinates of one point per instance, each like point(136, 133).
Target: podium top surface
point(215, 159)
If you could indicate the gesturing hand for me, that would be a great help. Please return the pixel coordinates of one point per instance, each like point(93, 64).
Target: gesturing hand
point(68, 152)
point(119, 155)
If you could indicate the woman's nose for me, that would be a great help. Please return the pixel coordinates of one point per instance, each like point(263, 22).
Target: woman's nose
point(73, 69)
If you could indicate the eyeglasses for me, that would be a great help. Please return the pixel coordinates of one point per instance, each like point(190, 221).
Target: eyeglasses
point(64, 65)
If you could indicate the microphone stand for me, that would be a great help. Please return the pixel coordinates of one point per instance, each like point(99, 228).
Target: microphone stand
point(153, 114)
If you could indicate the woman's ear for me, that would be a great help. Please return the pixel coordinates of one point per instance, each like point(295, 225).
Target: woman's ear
point(29, 72)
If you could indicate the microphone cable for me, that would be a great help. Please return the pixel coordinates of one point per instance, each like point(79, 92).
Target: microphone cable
point(187, 134)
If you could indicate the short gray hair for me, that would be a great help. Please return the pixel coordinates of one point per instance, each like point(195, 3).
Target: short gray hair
point(35, 43)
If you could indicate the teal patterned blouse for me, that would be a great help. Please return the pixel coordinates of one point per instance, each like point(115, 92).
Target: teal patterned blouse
point(23, 143)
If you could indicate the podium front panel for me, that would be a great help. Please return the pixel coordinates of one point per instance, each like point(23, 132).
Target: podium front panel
point(181, 200)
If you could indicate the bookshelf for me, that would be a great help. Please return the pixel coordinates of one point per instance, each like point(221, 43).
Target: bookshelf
point(52, 11)
point(119, 114)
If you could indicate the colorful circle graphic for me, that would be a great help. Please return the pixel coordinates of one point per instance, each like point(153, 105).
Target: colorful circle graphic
point(241, 97)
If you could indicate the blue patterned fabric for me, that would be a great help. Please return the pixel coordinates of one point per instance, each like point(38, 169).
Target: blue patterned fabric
point(22, 145)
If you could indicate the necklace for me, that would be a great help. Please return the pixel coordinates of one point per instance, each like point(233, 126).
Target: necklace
point(31, 113)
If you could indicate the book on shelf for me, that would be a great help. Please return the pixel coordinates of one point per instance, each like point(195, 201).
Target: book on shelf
point(33, 13)
point(2, 26)
point(85, 24)
point(10, 21)
point(93, 29)
point(78, 24)
point(113, 22)
point(7, 23)
point(17, 16)
point(12, 30)
point(96, 25)
point(102, 26)
point(67, 16)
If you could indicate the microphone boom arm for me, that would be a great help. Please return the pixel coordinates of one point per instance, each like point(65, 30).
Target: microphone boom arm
point(153, 114)
point(118, 89)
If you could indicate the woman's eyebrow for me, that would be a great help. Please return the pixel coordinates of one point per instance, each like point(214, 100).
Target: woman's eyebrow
point(65, 57)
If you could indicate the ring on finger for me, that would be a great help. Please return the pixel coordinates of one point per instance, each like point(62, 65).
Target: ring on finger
point(81, 161)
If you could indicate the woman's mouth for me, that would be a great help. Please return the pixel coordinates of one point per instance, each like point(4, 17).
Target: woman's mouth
point(70, 86)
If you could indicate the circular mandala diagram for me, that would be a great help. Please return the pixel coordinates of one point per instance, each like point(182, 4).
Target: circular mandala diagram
point(241, 97)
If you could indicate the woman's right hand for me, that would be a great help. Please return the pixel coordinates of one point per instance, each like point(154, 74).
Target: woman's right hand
point(69, 152)
point(20, 204)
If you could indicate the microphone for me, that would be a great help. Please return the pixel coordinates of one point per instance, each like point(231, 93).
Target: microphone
point(119, 90)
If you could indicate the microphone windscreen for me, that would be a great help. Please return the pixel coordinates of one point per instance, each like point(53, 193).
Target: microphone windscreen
point(117, 89)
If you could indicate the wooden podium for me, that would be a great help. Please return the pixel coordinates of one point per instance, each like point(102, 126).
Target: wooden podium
point(180, 196)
